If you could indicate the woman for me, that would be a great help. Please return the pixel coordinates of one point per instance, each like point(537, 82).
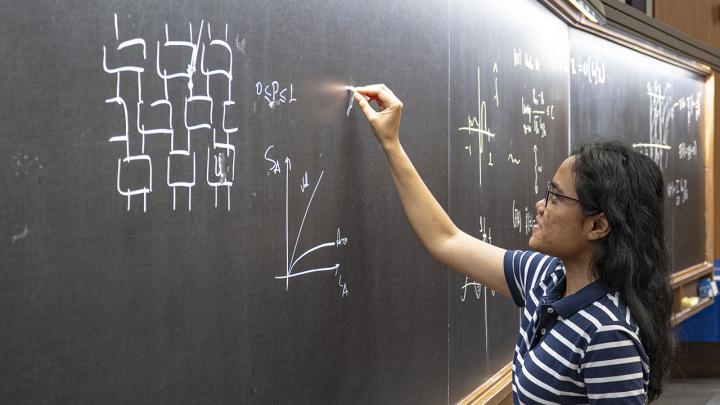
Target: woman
point(596, 293)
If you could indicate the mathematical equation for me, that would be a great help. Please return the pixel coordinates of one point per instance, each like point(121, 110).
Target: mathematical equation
point(536, 113)
point(687, 151)
point(522, 220)
point(593, 70)
point(274, 94)
point(522, 58)
point(692, 105)
point(677, 190)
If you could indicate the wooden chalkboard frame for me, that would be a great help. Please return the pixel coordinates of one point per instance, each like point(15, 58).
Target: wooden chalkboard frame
point(633, 29)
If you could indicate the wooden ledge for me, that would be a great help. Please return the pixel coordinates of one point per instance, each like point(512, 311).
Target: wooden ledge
point(691, 274)
point(684, 284)
point(496, 390)
point(687, 313)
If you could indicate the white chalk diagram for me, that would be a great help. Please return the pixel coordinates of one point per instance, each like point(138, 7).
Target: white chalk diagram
point(478, 125)
point(535, 111)
point(220, 154)
point(662, 114)
point(292, 258)
point(480, 291)
point(535, 117)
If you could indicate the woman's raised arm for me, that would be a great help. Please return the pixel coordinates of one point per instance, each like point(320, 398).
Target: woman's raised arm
point(442, 239)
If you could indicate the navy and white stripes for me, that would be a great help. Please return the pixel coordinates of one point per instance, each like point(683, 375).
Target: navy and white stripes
point(579, 349)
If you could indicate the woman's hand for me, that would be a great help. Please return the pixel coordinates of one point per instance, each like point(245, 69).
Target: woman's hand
point(386, 122)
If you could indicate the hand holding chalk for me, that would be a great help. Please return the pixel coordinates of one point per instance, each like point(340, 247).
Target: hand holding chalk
point(385, 123)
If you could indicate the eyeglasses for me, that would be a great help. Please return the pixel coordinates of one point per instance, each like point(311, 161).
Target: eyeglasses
point(592, 209)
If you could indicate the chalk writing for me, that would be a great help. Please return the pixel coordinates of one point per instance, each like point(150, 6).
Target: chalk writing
point(496, 97)
point(529, 220)
point(517, 218)
point(479, 291)
point(477, 125)
point(275, 168)
point(692, 105)
point(593, 70)
point(276, 95)
point(24, 163)
point(536, 113)
point(686, 151)
point(304, 182)
point(678, 190)
point(537, 169)
point(485, 231)
point(22, 235)
point(203, 52)
point(661, 114)
point(524, 59)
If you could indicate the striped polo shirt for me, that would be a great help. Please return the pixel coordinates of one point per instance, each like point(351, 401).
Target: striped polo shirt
point(579, 349)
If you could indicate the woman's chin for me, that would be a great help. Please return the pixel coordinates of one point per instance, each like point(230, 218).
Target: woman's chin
point(532, 243)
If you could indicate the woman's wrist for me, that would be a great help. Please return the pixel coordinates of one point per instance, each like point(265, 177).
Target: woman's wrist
point(392, 145)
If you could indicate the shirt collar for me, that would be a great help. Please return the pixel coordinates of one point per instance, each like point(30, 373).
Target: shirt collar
point(569, 305)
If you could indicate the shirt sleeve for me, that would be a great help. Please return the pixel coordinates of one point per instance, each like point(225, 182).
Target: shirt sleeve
point(614, 368)
point(523, 270)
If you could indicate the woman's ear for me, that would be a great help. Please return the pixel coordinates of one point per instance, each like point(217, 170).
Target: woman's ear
point(600, 227)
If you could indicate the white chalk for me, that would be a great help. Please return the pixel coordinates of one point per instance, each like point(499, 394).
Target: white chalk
point(350, 106)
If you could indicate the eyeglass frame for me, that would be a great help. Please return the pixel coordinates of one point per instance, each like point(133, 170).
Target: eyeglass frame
point(547, 196)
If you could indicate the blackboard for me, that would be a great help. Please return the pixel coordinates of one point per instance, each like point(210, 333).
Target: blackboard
point(172, 295)
point(249, 246)
point(656, 107)
point(507, 134)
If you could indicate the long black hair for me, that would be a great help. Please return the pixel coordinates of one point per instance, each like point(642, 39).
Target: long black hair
point(632, 259)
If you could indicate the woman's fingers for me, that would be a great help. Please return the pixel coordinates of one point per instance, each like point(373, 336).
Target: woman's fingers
point(369, 91)
point(380, 93)
point(364, 105)
point(386, 122)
